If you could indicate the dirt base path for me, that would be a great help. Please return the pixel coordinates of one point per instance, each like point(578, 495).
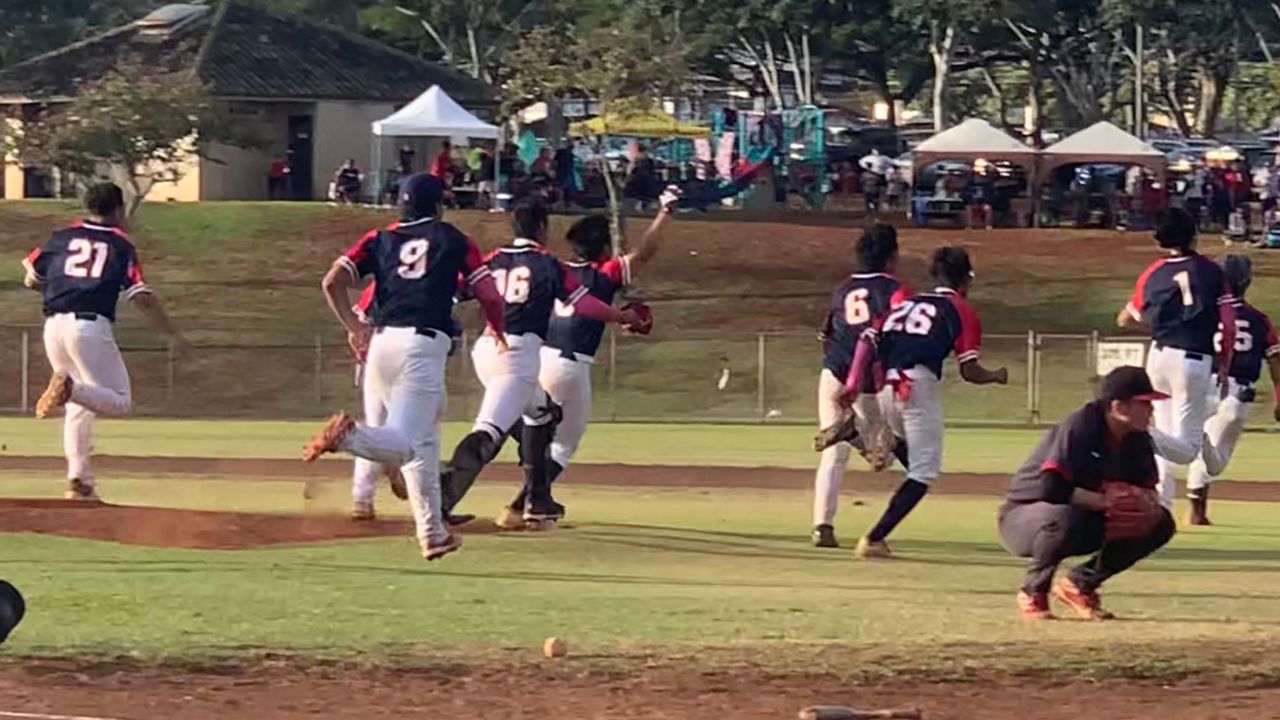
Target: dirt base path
point(606, 475)
point(568, 689)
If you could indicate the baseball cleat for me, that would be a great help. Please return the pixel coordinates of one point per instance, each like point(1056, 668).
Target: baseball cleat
point(545, 510)
point(436, 550)
point(1198, 513)
point(510, 519)
point(81, 490)
point(824, 536)
point(844, 431)
point(362, 510)
point(540, 525)
point(456, 519)
point(1084, 603)
point(329, 437)
point(396, 479)
point(880, 456)
point(868, 549)
point(55, 395)
point(1034, 607)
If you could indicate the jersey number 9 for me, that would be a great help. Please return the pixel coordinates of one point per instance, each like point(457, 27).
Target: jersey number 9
point(413, 260)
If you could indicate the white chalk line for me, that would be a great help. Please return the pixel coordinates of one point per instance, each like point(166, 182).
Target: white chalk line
point(45, 716)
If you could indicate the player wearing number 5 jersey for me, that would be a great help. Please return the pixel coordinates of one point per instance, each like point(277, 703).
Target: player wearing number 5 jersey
point(1182, 300)
point(81, 272)
point(416, 264)
point(858, 304)
point(1255, 342)
point(531, 280)
point(917, 337)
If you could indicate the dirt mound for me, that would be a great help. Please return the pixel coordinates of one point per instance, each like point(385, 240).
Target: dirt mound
point(165, 527)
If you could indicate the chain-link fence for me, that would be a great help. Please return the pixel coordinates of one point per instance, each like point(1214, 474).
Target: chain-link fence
point(721, 377)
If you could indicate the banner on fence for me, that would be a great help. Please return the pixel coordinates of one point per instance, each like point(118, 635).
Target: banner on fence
point(1114, 354)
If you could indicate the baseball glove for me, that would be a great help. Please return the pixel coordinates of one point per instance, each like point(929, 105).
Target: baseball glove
point(644, 323)
point(1132, 511)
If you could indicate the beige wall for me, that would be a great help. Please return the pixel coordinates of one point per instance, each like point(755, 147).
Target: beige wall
point(344, 130)
point(13, 176)
point(241, 173)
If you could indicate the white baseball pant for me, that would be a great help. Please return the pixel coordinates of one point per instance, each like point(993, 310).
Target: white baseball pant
point(1179, 421)
point(510, 382)
point(1223, 430)
point(404, 373)
point(86, 350)
point(826, 482)
point(568, 383)
point(918, 420)
point(364, 473)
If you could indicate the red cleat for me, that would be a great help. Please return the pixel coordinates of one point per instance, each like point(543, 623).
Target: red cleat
point(1084, 603)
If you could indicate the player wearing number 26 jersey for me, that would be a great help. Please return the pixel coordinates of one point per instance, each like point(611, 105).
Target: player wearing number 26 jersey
point(858, 304)
point(917, 336)
point(81, 272)
point(1181, 299)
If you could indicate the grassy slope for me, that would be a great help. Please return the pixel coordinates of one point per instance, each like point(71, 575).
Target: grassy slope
point(967, 450)
point(706, 575)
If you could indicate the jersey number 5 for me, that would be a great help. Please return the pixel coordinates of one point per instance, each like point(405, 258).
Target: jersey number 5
point(413, 260)
point(912, 318)
point(856, 310)
point(513, 285)
point(88, 258)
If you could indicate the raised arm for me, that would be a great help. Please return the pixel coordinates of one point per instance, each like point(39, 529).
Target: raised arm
point(651, 242)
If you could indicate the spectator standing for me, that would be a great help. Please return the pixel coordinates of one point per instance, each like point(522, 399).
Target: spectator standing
point(442, 167)
point(642, 179)
point(278, 178)
point(407, 156)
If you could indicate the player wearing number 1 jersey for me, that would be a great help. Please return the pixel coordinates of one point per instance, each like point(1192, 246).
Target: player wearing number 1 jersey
point(917, 337)
point(531, 280)
point(858, 304)
point(81, 272)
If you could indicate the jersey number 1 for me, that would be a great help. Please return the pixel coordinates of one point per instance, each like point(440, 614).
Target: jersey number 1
point(1183, 279)
point(88, 258)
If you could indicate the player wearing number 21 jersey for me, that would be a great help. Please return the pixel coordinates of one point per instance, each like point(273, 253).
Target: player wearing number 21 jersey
point(858, 304)
point(917, 337)
point(81, 272)
point(531, 280)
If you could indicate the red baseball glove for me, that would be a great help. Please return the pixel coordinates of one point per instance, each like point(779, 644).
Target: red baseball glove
point(644, 318)
point(1132, 511)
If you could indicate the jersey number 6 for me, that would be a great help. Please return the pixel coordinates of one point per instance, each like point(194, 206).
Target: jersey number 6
point(856, 310)
point(912, 318)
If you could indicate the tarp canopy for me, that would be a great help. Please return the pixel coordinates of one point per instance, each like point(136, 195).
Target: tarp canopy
point(971, 140)
point(1100, 143)
point(648, 124)
point(434, 114)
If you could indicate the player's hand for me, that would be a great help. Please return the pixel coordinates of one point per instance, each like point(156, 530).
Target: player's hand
point(1002, 376)
point(500, 341)
point(358, 341)
point(670, 198)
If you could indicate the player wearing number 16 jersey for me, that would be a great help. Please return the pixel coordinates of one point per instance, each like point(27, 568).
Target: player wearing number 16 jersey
point(858, 304)
point(81, 272)
point(917, 337)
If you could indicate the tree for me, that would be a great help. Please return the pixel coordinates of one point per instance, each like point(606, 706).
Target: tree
point(137, 128)
point(945, 25)
point(30, 27)
point(472, 35)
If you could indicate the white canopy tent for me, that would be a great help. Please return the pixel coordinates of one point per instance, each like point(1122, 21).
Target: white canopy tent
point(431, 114)
point(1103, 143)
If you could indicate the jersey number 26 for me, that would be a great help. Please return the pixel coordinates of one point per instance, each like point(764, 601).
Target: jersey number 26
point(912, 318)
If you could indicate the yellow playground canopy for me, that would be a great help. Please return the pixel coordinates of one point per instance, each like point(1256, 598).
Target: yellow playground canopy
point(648, 124)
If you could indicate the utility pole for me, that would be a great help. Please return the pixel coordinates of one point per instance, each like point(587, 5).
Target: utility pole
point(1139, 107)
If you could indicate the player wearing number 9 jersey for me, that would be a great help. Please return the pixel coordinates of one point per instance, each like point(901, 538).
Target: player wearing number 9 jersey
point(81, 272)
point(858, 304)
point(531, 280)
point(417, 264)
point(1182, 300)
point(917, 337)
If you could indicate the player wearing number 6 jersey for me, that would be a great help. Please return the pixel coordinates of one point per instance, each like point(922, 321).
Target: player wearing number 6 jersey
point(531, 280)
point(1255, 342)
point(1182, 300)
point(859, 303)
point(917, 337)
point(416, 265)
point(81, 271)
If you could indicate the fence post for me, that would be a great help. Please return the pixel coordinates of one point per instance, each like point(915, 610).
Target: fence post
point(1033, 379)
point(170, 373)
point(26, 370)
point(613, 376)
point(1091, 362)
point(760, 366)
point(319, 369)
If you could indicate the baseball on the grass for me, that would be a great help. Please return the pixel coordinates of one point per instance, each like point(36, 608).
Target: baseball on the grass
point(554, 647)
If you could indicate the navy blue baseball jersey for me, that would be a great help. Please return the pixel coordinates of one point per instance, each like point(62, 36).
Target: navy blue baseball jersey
point(530, 280)
point(857, 304)
point(569, 331)
point(1255, 341)
point(84, 267)
point(926, 328)
point(1178, 297)
point(415, 268)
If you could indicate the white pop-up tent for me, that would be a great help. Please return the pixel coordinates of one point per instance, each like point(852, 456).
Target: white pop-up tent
point(1102, 143)
point(431, 114)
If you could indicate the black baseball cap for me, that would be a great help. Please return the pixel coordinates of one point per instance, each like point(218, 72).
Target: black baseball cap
point(421, 195)
point(12, 608)
point(1129, 383)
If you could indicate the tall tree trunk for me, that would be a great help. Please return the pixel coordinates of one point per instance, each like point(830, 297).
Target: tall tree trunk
point(941, 42)
point(1035, 106)
point(797, 72)
point(1213, 85)
point(997, 92)
point(476, 70)
point(617, 216)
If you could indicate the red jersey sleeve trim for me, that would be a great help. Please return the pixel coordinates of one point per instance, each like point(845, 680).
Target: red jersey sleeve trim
point(29, 264)
point(473, 262)
point(901, 295)
point(1138, 301)
point(617, 270)
point(969, 342)
point(357, 254)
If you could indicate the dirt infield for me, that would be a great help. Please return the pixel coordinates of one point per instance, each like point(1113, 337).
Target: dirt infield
point(667, 476)
point(571, 689)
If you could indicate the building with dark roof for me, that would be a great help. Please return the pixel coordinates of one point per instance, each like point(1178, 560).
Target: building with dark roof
point(309, 91)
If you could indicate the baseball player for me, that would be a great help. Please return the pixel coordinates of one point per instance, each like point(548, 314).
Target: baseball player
point(416, 264)
point(1255, 341)
point(1058, 505)
point(916, 338)
point(81, 272)
point(531, 280)
point(1182, 300)
point(859, 303)
point(573, 340)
